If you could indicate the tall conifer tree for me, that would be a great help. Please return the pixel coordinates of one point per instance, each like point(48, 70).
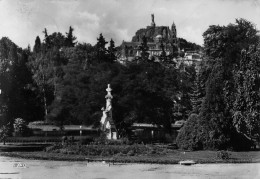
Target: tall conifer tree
point(101, 49)
point(111, 51)
point(70, 38)
point(37, 45)
point(144, 49)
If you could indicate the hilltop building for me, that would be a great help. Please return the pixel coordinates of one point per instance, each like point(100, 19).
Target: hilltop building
point(156, 35)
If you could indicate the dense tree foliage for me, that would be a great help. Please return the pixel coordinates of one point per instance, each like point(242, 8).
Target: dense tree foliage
point(70, 38)
point(64, 81)
point(196, 97)
point(188, 46)
point(101, 49)
point(112, 51)
point(144, 49)
point(17, 100)
point(228, 110)
point(246, 108)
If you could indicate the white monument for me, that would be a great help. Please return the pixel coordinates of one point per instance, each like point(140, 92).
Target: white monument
point(107, 123)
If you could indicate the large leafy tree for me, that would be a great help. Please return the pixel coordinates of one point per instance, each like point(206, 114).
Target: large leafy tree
point(45, 65)
point(146, 95)
point(42, 71)
point(16, 86)
point(73, 88)
point(223, 45)
point(15, 78)
point(246, 108)
point(5, 77)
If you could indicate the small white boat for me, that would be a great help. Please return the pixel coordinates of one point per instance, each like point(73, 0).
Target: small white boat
point(187, 162)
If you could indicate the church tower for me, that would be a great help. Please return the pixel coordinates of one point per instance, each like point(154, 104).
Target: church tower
point(174, 40)
point(174, 31)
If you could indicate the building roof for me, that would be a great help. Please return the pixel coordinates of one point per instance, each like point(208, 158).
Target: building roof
point(65, 127)
point(176, 125)
point(144, 125)
point(131, 43)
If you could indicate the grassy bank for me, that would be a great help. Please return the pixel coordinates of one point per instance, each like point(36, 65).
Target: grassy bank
point(170, 157)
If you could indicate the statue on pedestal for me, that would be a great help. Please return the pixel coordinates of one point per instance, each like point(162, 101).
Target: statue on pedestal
point(153, 23)
point(107, 123)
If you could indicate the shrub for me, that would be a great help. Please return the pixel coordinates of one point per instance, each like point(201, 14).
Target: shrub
point(240, 143)
point(53, 147)
point(188, 137)
point(20, 127)
point(106, 150)
point(4, 131)
point(85, 141)
point(103, 140)
point(224, 155)
point(131, 153)
point(64, 151)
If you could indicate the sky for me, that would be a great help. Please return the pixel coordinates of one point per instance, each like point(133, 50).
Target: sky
point(23, 20)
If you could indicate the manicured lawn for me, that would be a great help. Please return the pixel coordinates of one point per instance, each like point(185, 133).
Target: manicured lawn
point(172, 157)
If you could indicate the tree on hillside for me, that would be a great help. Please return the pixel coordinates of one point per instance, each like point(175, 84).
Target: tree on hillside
point(101, 49)
point(163, 56)
point(37, 45)
point(111, 51)
point(70, 88)
point(188, 46)
point(46, 66)
point(146, 95)
point(41, 69)
point(70, 38)
point(144, 49)
point(46, 39)
point(57, 40)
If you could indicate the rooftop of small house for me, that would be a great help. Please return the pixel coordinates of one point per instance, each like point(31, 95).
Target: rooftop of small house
point(177, 124)
point(40, 125)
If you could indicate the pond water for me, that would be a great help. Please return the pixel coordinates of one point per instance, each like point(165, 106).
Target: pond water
point(23, 168)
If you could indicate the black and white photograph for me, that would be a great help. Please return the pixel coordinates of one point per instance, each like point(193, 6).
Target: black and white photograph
point(129, 89)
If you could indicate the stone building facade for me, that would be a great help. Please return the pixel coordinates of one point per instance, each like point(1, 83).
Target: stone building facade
point(155, 35)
